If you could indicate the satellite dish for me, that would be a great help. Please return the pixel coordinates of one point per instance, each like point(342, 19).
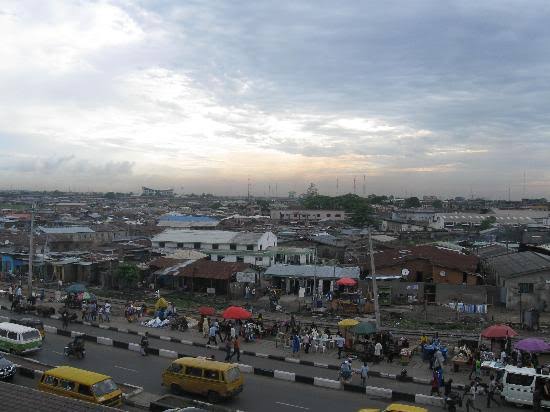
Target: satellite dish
point(405, 272)
point(442, 273)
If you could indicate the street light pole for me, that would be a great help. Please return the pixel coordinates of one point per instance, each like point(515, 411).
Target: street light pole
point(374, 287)
point(31, 251)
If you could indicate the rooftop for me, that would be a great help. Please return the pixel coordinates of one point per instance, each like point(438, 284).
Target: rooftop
point(516, 264)
point(207, 236)
point(311, 271)
point(66, 230)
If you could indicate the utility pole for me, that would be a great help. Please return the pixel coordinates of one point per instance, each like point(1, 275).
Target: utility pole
point(31, 251)
point(374, 287)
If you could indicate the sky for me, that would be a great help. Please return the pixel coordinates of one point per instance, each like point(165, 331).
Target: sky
point(419, 97)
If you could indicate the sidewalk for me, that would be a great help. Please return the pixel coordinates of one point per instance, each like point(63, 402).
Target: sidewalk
point(417, 370)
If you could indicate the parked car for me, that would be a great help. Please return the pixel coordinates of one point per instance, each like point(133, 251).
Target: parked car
point(7, 369)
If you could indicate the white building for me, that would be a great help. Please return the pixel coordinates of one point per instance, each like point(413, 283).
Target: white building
point(220, 245)
point(307, 215)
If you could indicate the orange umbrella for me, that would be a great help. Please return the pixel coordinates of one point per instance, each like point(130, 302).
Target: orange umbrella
point(346, 282)
point(236, 312)
point(498, 332)
point(207, 311)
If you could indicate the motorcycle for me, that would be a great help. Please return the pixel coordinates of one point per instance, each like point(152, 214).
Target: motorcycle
point(452, 401)
point(75, 349)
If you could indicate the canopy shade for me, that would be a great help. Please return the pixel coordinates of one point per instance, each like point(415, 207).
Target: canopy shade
point(364, 328)
point(532, 345)
point(207, 311)
point(346, 282)
point(347, 323)
point(236, 312)
point(498, 332)
point(76, 288)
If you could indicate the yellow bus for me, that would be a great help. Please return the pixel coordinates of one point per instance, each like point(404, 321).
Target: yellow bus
point(81, 384)
point(215, 380)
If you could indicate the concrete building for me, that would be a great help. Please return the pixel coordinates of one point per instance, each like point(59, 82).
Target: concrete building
point(306, 215)
point(523, 279)
point(175, 220)
point(219, 245)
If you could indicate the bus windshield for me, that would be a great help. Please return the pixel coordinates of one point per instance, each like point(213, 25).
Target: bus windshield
point(104, 387)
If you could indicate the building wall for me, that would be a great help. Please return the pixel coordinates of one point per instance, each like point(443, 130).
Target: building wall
point(307, 215)
point(540, 295)
point(469, 294)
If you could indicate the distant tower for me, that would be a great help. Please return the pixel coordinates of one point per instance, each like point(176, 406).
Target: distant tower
point(276, 189)
point(354, 186)
point(337, 186)
point(524, 196)
point(248, 190)
point(364, 185)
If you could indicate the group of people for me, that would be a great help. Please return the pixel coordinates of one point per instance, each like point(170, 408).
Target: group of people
point(92, 311)
point(133, 312)
point(346, 372)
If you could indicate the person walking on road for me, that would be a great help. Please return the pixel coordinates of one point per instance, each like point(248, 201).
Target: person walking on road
point(537, 398)
point(212, 334)
point(378, 352)
point(468, 399)
point(340, 344)
point(236, 349)
point(295, 345)
point(228, 347)
point(364, 371)
point(491, 391)
point(435, 384)
point(65, 319)
point(144, 344)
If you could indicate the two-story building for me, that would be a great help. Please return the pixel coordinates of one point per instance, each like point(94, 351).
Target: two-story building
point(307, 215)
point(220, 245)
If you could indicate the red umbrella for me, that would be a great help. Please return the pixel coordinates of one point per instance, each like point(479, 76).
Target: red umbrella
point(236, 312)
point(207, 311)
point(498, 331)
point(346, 282)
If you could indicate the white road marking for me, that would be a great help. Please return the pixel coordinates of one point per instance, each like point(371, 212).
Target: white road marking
point(126, 369)
point(57, 353)
point(292, 406)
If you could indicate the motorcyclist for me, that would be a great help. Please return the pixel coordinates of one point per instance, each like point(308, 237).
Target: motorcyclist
point(76, 346)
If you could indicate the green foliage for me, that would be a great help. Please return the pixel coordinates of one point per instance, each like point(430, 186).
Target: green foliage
point(110, 195)
point(127, 274)
point(412, 202)
point(378, 200)
point(215, 205)
point(357, 208)
point(487, 223)
point(437, 204)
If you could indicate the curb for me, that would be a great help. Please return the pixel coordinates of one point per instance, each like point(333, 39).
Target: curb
point(170, 353)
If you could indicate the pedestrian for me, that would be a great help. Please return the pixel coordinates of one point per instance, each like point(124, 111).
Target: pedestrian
point(307, 342)
point(473, 370)
point(364, 371)
point(447, 388)
point(345, 371)
point(84, 310)
point(468, 399)
point(236, 349)
point(340, 344)
point(107, 311)
point(378, 352)
point(212, 334)
point(100, 314)
point(65, 319)
point(232, 331)
point(478, 368)
point(144, 345)
point(503, 357)
point(491, 391)
point(295, 345)
point(228, 350)
point(537, 398)
point(435, 384)
point(205, 327)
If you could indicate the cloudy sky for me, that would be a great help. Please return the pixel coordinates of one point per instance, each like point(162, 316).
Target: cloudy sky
point(411, 97)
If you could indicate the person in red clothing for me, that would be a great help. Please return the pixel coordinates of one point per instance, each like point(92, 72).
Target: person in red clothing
point(236, 349)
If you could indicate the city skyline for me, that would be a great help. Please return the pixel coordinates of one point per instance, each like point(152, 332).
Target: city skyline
point(443, 99)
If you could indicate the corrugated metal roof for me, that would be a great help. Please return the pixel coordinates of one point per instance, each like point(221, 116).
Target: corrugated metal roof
point(66, 230)
point(515, 264)
point(308, 271)
point(207, 236)
point(187, 218)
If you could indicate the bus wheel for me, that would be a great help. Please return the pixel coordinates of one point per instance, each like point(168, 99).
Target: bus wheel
point(213, 397)
point(175, 389)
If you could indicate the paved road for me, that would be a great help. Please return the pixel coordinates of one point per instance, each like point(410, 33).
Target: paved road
point(249, 360)
point(260, 393)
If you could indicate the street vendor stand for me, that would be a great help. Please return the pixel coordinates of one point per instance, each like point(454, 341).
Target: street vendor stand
point(498, 335)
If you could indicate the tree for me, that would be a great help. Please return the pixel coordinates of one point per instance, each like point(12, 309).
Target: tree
point(126, 274)
point(437, 204)
point(110, 195)
point(312, 190)
point(412, 202)
point(487, 223)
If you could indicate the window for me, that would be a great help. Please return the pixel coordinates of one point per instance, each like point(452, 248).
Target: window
point(85, 390)
point(338, 215)
point(67, 385)
point(215, 246)
point(233, 246)
point(214, 375)
point(180, 245)
point(220, 258)
point(50, 380)
point(3, 333)
point(12, 335)
point(249, 247)
point(526, 287)
point(33, 334)
point(104, 387)
point(190, 371)
point(175, 368)
point(162, 244)
point(328, 214)
point(232, 375)
point(517, 379)
point(318, 215)
point(196, 245)
point(240, 259)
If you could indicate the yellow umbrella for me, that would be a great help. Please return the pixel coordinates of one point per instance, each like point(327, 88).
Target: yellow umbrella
point(161, 304)
point(347, 323)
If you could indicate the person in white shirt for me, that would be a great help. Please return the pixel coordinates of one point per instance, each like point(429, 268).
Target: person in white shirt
point(378, 351)
point(107, 311)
